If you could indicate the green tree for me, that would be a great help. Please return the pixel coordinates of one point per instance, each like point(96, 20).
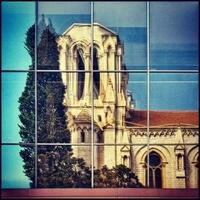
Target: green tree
point(116, 177)
point(56, 165)
point(27, 111)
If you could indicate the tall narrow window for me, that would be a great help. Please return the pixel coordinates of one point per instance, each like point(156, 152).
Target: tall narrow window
point(179, 162)
point(197, 171)
point(126, 160)
point(82, 136)
point(155, 170)
point(96, 74)
point(81, 75)
point(100, 138)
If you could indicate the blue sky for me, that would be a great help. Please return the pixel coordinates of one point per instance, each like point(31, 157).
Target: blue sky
point(16, 19)
point(12, 169)
point(174, 45)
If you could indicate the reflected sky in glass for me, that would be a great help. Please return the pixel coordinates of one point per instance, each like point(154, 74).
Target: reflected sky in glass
point(64, 14)
point(174, 92)
point(137, 85)
point(174, 35)
point(13, 85)
point(128, 20)
point(12, 168)
point(17, 17)
point(174, 45)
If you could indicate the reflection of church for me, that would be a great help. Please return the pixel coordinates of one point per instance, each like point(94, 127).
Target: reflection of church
point(172, 164)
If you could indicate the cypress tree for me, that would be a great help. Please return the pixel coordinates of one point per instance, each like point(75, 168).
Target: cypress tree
point(27, 112)
point(56, 165)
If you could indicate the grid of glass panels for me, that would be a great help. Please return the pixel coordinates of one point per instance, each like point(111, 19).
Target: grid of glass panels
point(160, 59)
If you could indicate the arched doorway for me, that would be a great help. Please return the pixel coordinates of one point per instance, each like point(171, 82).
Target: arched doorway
point(155, 170)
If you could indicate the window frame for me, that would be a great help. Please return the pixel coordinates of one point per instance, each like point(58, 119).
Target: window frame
point(95, 192)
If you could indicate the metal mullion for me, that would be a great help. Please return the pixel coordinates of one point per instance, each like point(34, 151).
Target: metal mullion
point(92, 95)
point(95, 144)
point(36, 40)
point(114, 71)
point(150, 71)
point(18, 143)
point(118, 71)
point(63, 71)
point(63, 144)
point(148, 67)
point(140, 144)
point(18, 70)
point(173, 71)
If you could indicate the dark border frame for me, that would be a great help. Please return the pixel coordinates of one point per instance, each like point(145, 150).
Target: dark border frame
point(100, 193)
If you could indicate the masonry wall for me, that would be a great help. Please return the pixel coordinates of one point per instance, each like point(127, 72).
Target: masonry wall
point(172, 177)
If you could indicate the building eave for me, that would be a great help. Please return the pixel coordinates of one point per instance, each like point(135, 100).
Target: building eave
point(88, 24)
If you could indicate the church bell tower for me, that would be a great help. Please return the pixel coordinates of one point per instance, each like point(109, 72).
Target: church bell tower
point(84, 78)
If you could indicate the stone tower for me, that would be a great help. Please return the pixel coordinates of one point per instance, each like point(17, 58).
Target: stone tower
point(109, 93)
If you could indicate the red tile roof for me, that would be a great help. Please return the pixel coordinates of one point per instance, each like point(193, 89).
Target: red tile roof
point(163, 118)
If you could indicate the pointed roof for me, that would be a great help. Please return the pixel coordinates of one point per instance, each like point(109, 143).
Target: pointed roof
point(163, 118)
point(84, 115)
point(87, 24)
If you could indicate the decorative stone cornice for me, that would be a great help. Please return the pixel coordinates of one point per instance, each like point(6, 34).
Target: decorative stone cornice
point(153, 132)
point(190, 132)
point(163, 132)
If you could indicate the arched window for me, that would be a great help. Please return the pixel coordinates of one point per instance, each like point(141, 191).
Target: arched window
point(81, 75)
point(155, 170)
point(82, 136)
point(179, 162)
point(96, 76)
point(100, 138)
point(126, 160)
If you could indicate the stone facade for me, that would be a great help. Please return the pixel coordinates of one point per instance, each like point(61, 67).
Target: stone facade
point(112, 111)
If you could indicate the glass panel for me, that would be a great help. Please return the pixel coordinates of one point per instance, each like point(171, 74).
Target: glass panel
point(116, 108)
point(137, 86)
point(120, 34)
point(64, 14)
point(136, 111)
point(17, 173)
point(174, 35)
point(60, 24)
point(60, 167)
point(115, 167)
point(14, 54)
point(105, 107)
point(177, 91)
point(18, 107)
point(154, 160)
point(61, 99)
point(180, 116)
point(158, 177)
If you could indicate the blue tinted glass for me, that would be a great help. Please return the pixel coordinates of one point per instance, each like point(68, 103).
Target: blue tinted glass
point(12, 170)
point(17, 17)
point(63, 14)
point(174, 91)
point(137, 86)
point(174, 35)
point(128, 21)
point(13, 84)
